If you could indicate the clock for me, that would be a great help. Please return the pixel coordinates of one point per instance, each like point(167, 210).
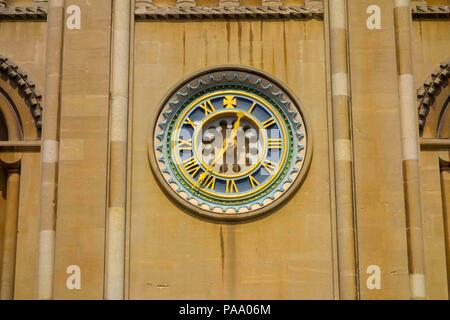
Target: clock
point(230, 143)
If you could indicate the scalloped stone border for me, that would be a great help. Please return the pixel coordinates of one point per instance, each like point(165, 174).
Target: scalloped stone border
point(292, 184)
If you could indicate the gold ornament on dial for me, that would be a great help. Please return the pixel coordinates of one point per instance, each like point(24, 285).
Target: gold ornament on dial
point(230, 145)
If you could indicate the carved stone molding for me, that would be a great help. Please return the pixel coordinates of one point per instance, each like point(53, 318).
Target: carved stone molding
point(431, 88)
point(27, 88)
point(431, 12)
point(23, 13)
point(146, 10)
point(262, 12)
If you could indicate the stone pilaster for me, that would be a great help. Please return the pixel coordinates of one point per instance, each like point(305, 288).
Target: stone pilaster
point(410, 148)
point(343, 149)
point(445, 185)
point(50, 149)
point(115, 241)
point(10, 235)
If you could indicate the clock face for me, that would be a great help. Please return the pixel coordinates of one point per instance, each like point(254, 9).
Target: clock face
point(229, 144)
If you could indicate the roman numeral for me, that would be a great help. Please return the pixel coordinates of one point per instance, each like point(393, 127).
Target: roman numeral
point(266, 124)
point(190, 122)
point(185, 144)
point(252, 107)
point(254, 182)
point(208, 107)
point(191, 166)
point(231, 187)
point(269, 165)
point(207, 181)
point(275, 143)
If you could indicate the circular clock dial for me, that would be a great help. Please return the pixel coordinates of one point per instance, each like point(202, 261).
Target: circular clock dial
point(229, 145)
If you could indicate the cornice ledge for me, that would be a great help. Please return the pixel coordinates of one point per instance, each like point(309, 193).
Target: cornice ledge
point(251, 12)
point(244, 12)
point(23, 13)
point(431, 12)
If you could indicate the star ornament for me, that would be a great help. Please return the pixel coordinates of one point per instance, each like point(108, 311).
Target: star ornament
point(258, 158)
point(229, 102)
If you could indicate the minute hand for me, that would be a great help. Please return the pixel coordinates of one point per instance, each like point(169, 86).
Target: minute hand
point(230, 140)
point(228, 143)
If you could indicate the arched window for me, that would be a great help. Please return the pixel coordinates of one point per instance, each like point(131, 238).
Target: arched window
point(20, 126)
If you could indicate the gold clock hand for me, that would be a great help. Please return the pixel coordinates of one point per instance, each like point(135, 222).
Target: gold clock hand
point(228, 141)
point(208, 169)
point(237, 124)
point(201, 178)
point(227, 144)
